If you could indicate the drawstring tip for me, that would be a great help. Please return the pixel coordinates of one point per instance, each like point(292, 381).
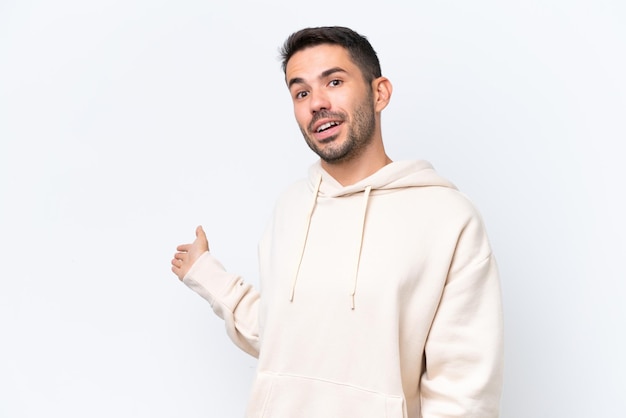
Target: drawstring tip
point(352, 300)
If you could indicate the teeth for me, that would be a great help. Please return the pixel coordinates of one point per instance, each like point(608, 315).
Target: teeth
point(326, 126)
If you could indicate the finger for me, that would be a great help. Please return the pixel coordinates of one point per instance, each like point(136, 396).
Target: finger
point(180, 256)
point(176, 271)
point(183, 247)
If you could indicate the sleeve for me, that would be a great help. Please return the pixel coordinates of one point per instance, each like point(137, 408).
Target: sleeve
point(233, 300)
point(464, 349)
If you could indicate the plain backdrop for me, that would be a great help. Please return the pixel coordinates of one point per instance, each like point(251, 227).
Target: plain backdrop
point(124, 124)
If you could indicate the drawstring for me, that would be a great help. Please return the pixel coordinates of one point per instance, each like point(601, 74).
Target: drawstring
point(306, 236)
point(367, 191)
point(358, 260)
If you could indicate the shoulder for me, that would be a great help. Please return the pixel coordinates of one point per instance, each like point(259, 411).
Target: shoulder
point(295, 190)
point(442, 202)
point(294, 196)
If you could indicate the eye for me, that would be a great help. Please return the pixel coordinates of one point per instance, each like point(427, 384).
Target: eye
point(335, 83)
point(301, 94)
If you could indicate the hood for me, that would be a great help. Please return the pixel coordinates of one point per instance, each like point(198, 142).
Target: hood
point(396, 175)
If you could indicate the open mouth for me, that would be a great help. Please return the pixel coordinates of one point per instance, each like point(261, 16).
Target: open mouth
point(327, 126)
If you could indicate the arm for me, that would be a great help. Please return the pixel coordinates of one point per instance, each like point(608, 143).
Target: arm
point(464, 350)
point(232, 300)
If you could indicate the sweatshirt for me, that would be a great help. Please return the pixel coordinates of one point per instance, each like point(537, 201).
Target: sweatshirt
point(378, 299)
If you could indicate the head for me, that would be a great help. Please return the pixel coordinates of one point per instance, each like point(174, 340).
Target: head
point(335, 82)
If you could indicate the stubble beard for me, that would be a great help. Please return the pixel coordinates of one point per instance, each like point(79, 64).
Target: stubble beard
point(359, 135)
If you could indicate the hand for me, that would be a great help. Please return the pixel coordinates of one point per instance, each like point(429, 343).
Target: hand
point(187, 254)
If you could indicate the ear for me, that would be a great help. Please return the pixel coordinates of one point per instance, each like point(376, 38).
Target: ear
point(382, 89)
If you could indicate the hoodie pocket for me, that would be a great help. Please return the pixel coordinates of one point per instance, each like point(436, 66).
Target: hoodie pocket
point(289, 396)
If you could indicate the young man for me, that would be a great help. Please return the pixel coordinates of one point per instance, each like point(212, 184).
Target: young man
point(380, 293)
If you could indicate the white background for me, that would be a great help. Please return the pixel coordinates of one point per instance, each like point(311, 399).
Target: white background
point(124, 124)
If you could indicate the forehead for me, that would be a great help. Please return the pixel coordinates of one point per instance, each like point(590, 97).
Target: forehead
point(312, 61)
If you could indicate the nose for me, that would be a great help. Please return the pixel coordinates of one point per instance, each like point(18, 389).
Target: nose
point(318, 101)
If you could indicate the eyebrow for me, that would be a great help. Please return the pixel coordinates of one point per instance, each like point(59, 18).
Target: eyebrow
point(324, 74)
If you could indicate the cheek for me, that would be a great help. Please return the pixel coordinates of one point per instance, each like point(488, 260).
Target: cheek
point(302, 117)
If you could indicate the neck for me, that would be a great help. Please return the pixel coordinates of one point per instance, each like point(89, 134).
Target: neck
point(372, 159)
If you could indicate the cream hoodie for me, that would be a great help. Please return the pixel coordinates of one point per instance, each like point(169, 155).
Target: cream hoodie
point(379, 299)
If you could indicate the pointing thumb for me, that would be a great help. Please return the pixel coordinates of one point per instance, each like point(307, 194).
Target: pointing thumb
point(201, 235)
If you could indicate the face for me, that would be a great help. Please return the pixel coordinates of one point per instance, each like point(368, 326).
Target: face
point(333, 104)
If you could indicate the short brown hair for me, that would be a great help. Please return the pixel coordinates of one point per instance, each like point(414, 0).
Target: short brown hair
point(358, 47)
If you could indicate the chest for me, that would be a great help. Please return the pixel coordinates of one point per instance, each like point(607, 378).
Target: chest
point(382, 248)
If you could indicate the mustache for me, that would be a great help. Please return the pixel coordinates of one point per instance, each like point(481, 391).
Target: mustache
point(326, 114)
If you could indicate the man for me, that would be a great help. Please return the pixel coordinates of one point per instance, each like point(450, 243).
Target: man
point(380, 294)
